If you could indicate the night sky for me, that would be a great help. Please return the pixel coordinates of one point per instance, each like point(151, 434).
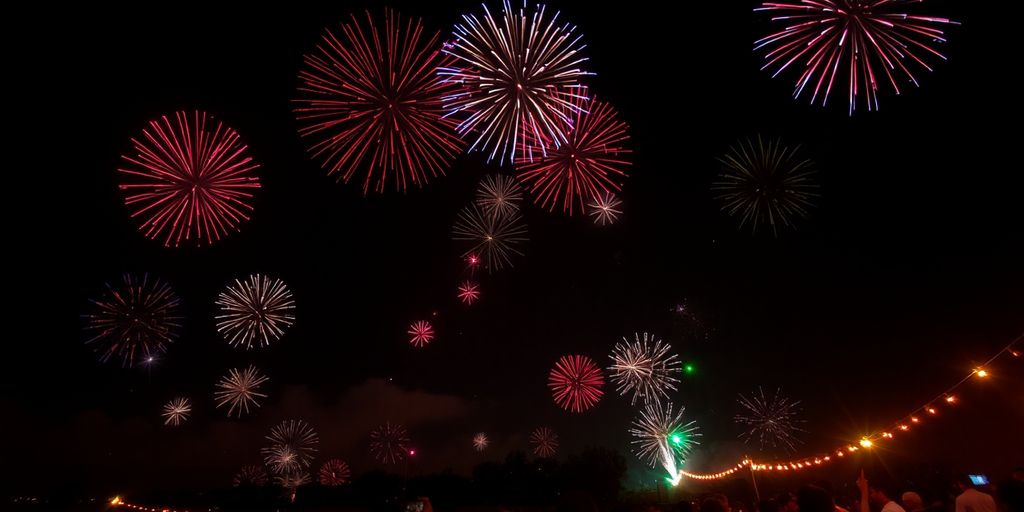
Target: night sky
point(906, 274)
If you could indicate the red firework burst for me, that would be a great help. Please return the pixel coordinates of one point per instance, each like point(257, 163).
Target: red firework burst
point(190, 179)
point(334, 472)
point(544, 441)
point(870, 40)
point(575, 383)
point(371, 104)
point(590, 163)
point(469, 292)
point(421, 333)
point(135, 320)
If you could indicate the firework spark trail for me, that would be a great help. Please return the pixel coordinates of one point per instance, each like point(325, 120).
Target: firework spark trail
point(177, 411)
point(605, 209)
point(771, 419)
point(240, 389)
point(255, 312)
point(389, 443)
point(544, 442)
point(494, 239)
point(662, 437)
point(139, 315)
point(642, 369)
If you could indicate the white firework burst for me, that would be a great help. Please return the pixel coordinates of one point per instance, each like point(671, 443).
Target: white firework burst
point(661, 437)
point(240, 389)
point(605, 209)
point(499, 195)
point(177, 411)
point(292, 445)
point(644, 368)
point(492, 238)
point(772, 420)
point(255, 312)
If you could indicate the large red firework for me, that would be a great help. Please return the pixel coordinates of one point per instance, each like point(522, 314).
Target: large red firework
point(334, 472)
point(575, 383)
point(867, 40)
point(190, 179)
point(591, 162)
point(135, 320)
point(421, 333)
point(521, 72)
point(371, 104)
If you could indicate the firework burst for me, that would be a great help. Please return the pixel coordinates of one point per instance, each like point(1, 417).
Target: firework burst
point(644, 368)
point(255, 312)
point(575, 383)
point(190, 179)
point(469, 292)
point(291, 449)
point(605, 209)
point(867, 41)
point(480, 442)
point(371, 104)
point(334, 472)
point(765, 184)
point(389, 443)
point(661, 437)
point(499, 195)
point(420, 333)
point(494, 239)
point(239, 389)
point(176, 411)
point(521, 72)
point(590, 163)
point(135, 320)
point(772, 420)
point(250, 475)
point(544, 442)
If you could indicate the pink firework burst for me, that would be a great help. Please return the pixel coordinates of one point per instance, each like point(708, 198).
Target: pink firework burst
point(469, 292)
point(860, 42)
point(521, 72)
point(190, 179)
point(421, 333)
point(591, 162)
point(544, 442)
point(575, 383)
point(389, 443)
point(371, 104)
point(334, 472)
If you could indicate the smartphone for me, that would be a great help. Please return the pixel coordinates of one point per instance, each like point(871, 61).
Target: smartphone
point(978, 479)
point(414, 506)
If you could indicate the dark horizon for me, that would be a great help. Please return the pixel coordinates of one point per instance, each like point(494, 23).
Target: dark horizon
point(905, 276)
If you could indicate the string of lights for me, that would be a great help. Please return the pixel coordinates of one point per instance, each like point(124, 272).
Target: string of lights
point(117, 501)
point(948, 399)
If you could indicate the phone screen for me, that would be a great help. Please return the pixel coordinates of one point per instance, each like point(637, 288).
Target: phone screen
point(979, 479)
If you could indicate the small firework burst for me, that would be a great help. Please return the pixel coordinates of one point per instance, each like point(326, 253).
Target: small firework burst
point(291, 449)
point(493, 239)
point(480, 442)
point(177, 411)
point(544, 442)
point(499, 195)
point(662, 437)
point(334, 472)
point(250, 476)
point(766, 183)
point(469, 292)
point(576, 383)
point(389, 443)
point(240, 389)
point(871, 41)
point(772, 420)
point(605, 209)
point(644, 368)
point(420, 333)
point(190, 179)
point(134, 321)
point(255, 312)
point(592, 161)
point(292, 481)
point(521, 73)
